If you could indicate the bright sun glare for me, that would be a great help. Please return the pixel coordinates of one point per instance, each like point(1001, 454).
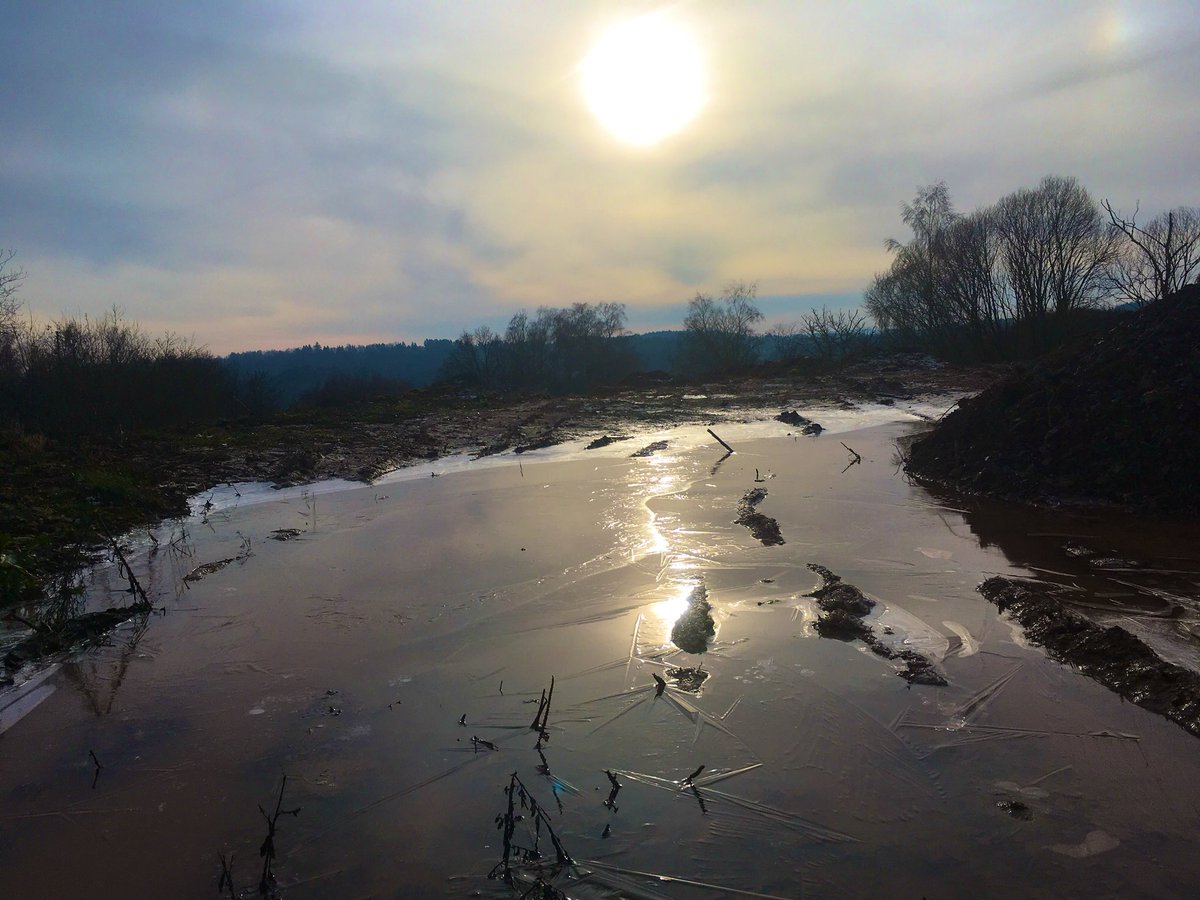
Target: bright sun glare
point(644, 79)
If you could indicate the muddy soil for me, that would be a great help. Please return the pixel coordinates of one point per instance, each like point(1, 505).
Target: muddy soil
point(1112, 656)
point(1113, 420)
point(361, 657)
point(77, 633)
point(695, 628)
point(843, 608)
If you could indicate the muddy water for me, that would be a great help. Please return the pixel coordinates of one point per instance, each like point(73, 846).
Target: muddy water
point(346, 657)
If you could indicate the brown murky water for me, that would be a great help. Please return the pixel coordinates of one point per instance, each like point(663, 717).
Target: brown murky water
point(346, 657)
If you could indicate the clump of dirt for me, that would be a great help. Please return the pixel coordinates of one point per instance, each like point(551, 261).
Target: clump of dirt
point(843, 607)
point(649, 450)
point(791, 417)
point(605, 440)
point(687, 678)
point(206, 569)
point(695, 628)
point(1111, 655)
point(762, 527)
point(806, 426)
point(1111, 421)
point(1016, 809)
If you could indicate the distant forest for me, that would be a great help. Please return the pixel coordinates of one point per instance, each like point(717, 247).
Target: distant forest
point(319, 374)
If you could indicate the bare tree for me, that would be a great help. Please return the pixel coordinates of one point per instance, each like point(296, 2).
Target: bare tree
point(909, 299)
point(476, 358)
point(719, 335)
point(572, 348)
point(971, 283)
point(1056, 253)
point(835, 334)
point(527, 350)
point(10, 309)
point(1159, 258)
point(850, 330)
point(584, 337)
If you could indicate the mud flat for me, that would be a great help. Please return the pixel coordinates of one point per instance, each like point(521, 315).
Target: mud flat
point(394, 660)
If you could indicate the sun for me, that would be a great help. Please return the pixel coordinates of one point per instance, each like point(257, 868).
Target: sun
point(644, 79)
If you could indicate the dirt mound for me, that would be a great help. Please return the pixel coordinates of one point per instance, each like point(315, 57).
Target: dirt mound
point(1113, 421)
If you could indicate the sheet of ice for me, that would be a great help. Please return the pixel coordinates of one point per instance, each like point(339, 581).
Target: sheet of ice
point(681, 439)
point(22, 699)
point(915, 633)
point(417, 606)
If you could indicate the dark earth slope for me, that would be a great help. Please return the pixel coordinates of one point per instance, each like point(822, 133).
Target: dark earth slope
point(1115, 421)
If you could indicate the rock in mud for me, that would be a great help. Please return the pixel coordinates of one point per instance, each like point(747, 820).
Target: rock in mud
point(843, 607)
point(1117, 659)
point(791, 417)
point(695, 628)
point(762, 527)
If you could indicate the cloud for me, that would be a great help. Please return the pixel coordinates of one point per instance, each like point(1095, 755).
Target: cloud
point(276, 173)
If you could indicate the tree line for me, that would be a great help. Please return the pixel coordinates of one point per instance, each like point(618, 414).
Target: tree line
point(76, 377)
point(322, 375)
point(572, 348)
point(1014, 278)
point(1018, 277)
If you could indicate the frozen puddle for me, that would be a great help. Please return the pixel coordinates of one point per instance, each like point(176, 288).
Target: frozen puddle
point(419, 640)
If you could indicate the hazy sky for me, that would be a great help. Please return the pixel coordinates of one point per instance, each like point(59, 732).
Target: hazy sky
point(266, 174)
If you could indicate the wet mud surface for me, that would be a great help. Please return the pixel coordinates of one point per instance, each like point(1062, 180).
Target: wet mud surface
point(418, 642)
point(48, 639)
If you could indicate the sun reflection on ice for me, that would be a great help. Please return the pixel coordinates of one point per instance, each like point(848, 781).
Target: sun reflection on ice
point(668, 611)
